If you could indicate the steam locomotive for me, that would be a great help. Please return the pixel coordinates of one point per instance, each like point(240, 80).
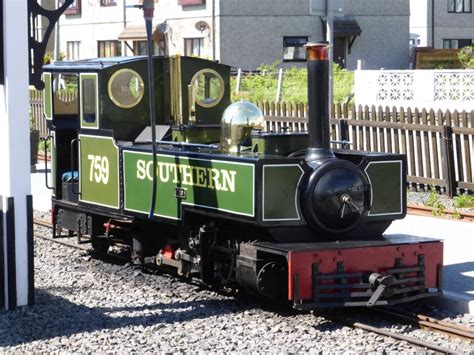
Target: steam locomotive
point(212, 195)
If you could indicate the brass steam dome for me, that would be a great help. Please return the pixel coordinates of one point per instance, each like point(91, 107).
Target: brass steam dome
point(238, 121)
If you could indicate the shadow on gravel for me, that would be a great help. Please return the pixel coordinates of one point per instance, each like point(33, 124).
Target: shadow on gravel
point(459, 278)
point(54, 316)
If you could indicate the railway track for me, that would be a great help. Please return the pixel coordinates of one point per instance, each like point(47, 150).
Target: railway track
point(421, 321)
point(427, 322)
point(428, 212)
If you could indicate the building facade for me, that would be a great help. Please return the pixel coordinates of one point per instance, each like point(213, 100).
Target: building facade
point(242, 33)
point(447, 24)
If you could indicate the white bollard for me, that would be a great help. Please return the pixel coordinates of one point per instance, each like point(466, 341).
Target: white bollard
point(16, 210)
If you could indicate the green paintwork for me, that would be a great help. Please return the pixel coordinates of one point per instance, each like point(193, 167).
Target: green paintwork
point(278, 144)
point(47, 96)
point(385, 179)
point(85, 124)
point(198, 135)
point(189, 67)
point(238, 199)
point(280, 184)
point(97, 187)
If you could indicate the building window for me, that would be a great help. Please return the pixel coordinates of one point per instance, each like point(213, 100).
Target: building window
point(191, 2)
point(108, 3)
point(140, 48)
point(193, 46)
point(457, 43)
point(293, 49)
point(73, 50)
point(109, 49)
point(73, 9)
point(459, 6)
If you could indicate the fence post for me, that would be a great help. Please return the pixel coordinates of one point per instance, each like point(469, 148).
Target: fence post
point(237, 83)
point(448, 160)
point(280, 83)
point(344, 132)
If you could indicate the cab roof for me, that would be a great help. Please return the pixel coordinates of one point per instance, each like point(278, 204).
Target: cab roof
point(94, 64)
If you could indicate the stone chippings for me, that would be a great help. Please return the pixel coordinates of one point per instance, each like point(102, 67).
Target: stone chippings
point(84, 305)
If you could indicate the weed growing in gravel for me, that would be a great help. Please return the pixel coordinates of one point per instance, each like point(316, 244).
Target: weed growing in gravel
point(456, 214)
point(464, 201)
point(434, 202)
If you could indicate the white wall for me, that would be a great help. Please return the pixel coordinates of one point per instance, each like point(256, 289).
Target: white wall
point(430, 89)
point(420, 21)
point(98, 23)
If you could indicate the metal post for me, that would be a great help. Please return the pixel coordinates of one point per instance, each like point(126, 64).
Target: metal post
point(15, 190)
point(279, 86)
point(329, 39)
point(239, 77)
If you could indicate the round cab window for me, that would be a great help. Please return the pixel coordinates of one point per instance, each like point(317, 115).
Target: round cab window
point(208, 87)
point(126, 88)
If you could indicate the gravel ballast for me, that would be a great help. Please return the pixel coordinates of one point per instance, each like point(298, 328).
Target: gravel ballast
point(84, 304)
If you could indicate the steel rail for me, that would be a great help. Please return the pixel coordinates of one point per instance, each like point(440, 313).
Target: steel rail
point(390, 334)
point(424, 321)
point(427, 211)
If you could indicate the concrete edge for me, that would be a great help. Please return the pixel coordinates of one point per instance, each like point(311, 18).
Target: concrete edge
point(453, 302)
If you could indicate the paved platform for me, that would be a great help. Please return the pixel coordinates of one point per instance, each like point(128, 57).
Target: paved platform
point(458, 239)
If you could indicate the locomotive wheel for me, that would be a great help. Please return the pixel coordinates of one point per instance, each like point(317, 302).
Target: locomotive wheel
point(100, 244)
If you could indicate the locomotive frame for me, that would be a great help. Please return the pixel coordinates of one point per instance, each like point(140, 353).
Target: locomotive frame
point(279, 213)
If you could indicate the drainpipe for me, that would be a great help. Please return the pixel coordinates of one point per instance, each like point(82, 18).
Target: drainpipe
point(213, 29)
point(432, 23)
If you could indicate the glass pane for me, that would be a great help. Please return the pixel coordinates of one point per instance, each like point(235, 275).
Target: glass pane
point(126, 88)
point(208, 88)
point(467, 5)
point(88, 100)
point(446, 44)
point(451, 5)
point(459, 6)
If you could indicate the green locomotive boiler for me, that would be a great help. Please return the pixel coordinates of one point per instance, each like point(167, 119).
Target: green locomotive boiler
point(221, 199)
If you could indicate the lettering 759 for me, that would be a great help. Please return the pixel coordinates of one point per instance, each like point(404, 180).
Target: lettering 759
point(99, 168)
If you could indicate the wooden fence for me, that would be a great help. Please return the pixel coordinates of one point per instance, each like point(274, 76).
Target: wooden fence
point(36, 112)
point(439, 145)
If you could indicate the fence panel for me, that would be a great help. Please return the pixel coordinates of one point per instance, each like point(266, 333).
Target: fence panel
point(439, 146)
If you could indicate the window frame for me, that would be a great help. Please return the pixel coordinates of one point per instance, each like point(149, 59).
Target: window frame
point(191, 2)
point(285, 45)
point(72, 9)
point(75, 45)
point(192, 39)
point(453, 10)
point(157, 49)
point(450, 41)
point(107, 3)
point(117, 50)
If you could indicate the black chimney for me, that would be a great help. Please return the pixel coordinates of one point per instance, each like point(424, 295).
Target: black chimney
point(318, 105)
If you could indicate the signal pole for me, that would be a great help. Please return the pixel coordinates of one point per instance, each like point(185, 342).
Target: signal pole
point(330, 40)
point(16, 208)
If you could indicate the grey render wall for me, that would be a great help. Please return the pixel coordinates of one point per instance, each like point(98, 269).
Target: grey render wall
point(384, 42)
point(451, 25)
point(251, 31)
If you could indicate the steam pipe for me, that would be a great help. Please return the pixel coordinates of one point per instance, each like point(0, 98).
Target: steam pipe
point(318, 102)
point(148, 8)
